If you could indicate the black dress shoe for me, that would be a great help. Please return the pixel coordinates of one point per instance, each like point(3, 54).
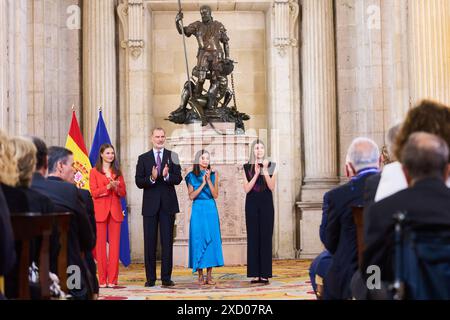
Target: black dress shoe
point(169, 283)
point(149, 284)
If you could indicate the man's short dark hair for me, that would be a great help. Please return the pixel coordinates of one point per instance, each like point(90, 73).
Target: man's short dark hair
point(41, 154)
point(55, 155)
point(425, 155)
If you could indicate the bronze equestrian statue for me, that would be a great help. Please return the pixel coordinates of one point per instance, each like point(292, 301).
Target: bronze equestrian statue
point(213, 64)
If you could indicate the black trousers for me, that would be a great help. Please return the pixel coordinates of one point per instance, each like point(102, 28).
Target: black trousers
point(166, 225)
point(259, 217)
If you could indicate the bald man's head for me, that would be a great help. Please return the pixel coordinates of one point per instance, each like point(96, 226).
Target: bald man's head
point(424, 156)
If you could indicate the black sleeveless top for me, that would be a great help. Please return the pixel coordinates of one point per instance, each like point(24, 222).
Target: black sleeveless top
point(260, 184)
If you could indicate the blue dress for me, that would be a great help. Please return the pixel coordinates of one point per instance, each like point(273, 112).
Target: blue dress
point(205, 242)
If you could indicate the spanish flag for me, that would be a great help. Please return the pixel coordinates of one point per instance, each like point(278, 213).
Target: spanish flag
point(82, 165)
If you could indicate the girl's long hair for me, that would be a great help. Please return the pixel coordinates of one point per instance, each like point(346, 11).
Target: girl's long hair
point(252, 158)
point(196, 168)
point(114, 165)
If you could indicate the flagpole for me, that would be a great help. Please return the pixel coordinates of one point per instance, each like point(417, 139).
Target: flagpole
point(185, 50)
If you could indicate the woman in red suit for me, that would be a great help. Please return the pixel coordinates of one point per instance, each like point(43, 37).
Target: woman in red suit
point(107, 187)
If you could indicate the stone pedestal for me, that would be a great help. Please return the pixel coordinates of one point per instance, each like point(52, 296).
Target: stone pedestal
point(228, 154)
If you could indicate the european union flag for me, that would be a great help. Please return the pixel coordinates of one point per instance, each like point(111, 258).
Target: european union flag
point(101, 137)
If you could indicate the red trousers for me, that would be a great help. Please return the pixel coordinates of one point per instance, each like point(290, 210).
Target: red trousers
point(108, 266)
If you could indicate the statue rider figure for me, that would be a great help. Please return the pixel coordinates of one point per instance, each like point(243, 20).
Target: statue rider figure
point(211, 35)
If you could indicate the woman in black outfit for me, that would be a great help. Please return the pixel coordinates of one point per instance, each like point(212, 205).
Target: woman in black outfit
point(259, 183)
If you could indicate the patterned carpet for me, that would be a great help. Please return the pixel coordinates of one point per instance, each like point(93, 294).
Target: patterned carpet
point(290, 282)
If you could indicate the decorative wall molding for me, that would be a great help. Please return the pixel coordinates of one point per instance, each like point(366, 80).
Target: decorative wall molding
point(285, 18)
point(131, 15)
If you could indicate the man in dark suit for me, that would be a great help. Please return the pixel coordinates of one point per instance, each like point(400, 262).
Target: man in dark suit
point(340, 240)
point(89, 205)
point(60, 189)
point(157, 173)
point(425, 160)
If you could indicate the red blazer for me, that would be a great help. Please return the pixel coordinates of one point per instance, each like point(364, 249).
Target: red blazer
point(106, 201)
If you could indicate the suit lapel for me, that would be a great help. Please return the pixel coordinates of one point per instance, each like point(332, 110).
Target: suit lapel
point(151, 159)
point(165, 159)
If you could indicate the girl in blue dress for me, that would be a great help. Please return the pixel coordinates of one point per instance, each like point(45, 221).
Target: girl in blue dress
point(205, 243)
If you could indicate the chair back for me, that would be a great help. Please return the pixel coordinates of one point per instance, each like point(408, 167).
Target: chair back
point(27, 227)
point(422, 263)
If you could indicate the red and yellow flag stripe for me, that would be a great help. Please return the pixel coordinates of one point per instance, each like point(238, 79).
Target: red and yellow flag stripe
point(82, 165)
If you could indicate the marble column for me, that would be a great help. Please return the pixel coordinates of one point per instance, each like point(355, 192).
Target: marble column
point(99, 67)
point(429, 49)
point(3, 63)
point(284, 120)
point(135, 106)
point(319, 118)
point(13, 73)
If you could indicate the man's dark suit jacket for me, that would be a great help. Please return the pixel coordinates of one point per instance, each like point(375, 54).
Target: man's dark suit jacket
point(371, 188)
point(89, 204)
point(160, 195)
point(23, 200)
point(426, 203)
point(66, 198)
point(340, 238)
point(7, 251)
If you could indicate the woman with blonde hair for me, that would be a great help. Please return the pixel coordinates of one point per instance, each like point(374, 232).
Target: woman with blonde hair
point(7, 252)
point(21, 199)
point(19, 196)
point(259, 183)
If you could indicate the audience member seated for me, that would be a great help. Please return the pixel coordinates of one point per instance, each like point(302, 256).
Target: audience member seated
point(22, 199)
point(92, 265)
point(8, 175)
point(425, 159)
point(320, 265)
point(340, 239)
point(388, 173)
point(60, 189)
point(428, 116)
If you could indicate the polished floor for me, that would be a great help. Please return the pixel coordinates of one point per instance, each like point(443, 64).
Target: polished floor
point(290, 282)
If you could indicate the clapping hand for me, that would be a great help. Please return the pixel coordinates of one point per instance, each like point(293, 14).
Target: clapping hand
point(208, 175)
point(265, 166)
point(114, 183)
point(154, 173)
point(166, 171)
point(257, 169)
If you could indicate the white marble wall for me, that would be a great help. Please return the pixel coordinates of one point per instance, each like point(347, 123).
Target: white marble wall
point(40, 68)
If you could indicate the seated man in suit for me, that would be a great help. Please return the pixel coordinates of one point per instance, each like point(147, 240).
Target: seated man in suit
point(340, 239)
point(60, 189)
point(425, 160)
point(89, 204)
point(320, 265)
